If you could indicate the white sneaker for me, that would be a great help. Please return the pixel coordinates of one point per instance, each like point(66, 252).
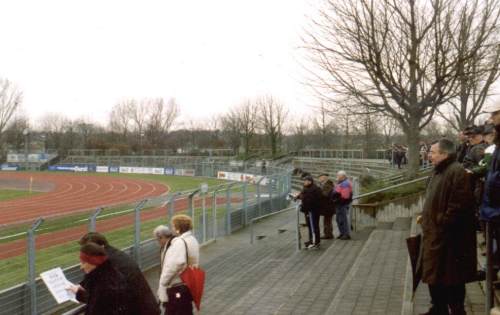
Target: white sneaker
point(313, 246)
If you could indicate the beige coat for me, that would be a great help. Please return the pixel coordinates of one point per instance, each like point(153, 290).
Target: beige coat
point(175, 262)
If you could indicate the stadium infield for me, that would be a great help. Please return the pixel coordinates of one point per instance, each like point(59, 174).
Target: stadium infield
point(56, 238)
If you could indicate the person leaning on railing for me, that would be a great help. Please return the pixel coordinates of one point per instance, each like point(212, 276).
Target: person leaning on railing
point(143, 301)
point(172, 292)
point(103, 289)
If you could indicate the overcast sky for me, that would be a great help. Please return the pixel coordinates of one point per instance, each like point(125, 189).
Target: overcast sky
point(81, 57)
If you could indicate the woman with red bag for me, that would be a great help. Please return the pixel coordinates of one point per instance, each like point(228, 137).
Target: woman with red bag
point(183, 252)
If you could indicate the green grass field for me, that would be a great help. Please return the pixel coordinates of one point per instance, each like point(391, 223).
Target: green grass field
point(7, 194)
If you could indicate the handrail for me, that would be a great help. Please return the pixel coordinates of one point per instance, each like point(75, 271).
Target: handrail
point(77, 310)
point(263, 217)
point(389, 188)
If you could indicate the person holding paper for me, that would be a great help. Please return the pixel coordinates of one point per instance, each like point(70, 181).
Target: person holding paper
point(103, 288)
point(142, 299)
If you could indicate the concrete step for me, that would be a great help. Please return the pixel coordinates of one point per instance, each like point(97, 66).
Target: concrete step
point(319, 282)
point(375, 283)
point(384, 225)
point(232, 276)
point(402, 224)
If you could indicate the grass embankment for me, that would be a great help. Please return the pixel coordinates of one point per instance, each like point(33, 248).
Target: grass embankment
point(396, 193)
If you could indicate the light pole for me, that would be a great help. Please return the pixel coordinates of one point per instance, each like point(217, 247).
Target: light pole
point(26, 133)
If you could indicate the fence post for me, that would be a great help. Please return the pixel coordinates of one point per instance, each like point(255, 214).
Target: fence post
point(191, 205)
point(137, 232)
point(171, 204)
point(270, 189)
point(245, 202)
point(31, 265)
point(214, 212)
point(489, 268)
point(93, 219)
point(228, 208)
point(204, 191)
point(259, 201)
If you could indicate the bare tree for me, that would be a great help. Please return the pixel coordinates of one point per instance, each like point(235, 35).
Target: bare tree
point(161, 117)
point(10, 100)
point(272, 117)
point(397, 57)
point(323, 124)
point(120, 118)
point(389, 128)
point(476, 74)
point(299, 132)
point(53, 125)
point(231, 130)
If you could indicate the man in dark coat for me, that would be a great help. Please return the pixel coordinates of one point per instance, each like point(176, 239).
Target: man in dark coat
point(311, 202)
point(449, 239)
point(327, 207)
point(140, 294)
point(475, 151)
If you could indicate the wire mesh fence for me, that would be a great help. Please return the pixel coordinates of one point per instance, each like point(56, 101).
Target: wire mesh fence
point(218, 210)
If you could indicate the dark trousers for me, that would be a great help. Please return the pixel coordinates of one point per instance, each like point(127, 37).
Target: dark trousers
point(327, 225)
point(312, 219)
point(179, 302)
point(444, 297)
point(342, 219)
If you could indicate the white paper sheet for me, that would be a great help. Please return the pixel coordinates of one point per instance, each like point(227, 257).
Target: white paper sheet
point(57, 283)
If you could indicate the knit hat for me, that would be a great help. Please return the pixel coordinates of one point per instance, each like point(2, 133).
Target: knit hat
point(93, 254)
point(309, 178)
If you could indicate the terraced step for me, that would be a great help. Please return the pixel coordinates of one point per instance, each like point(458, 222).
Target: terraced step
point(375, 284)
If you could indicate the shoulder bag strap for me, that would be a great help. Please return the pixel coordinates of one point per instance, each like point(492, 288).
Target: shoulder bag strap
point(187, 257)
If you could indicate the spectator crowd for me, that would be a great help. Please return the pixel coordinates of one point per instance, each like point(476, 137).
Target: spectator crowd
point(462, 195)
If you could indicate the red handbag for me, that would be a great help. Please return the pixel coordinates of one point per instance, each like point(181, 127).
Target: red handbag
point(194, 279)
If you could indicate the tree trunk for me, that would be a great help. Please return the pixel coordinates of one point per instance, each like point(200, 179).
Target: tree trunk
point(413, 141)
point(273, 145)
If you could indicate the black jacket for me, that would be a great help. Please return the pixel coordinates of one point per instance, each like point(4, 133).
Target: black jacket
point(474, 155)
point(327, 205)
point(462, 151)
point(105, 292)
point(311, 197)
point(142, 298)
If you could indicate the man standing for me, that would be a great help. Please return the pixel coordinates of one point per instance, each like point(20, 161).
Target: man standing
point(475, 152)
point(343, 199)
point(311, 198)
point(327, 207)
point(449, 240)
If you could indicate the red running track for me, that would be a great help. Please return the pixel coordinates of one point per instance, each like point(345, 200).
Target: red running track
point(73, 193)
point(45, 240)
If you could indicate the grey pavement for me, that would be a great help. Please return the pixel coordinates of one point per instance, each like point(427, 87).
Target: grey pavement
point(365, 275)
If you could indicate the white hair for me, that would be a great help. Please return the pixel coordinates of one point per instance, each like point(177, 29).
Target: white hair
point(342, 173)
point(162, 230)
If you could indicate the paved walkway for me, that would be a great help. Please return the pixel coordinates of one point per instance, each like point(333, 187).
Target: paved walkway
point(366, 275)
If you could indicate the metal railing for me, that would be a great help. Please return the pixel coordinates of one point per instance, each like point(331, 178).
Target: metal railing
point(221, 210)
